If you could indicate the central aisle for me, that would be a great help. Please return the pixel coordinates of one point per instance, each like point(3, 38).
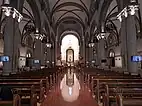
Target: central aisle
point(54, 98)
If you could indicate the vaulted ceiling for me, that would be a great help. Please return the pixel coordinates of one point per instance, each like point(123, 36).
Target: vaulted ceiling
point(69, 14)
point(71, 8)
point(86, 17)
point(79, 12)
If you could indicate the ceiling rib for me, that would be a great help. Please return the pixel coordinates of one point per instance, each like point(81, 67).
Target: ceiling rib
point(72, 13)
point(69, 4)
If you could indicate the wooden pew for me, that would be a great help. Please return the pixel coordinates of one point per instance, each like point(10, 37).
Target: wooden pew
point(15, 102)
point(39, 86)
point(127, 101)
point(99, 73)
point(42, 73)
point(113, 80)
point(96, 85)
point(109, 94)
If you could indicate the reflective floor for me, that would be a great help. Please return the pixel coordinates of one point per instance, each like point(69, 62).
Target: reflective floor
point(70, 93)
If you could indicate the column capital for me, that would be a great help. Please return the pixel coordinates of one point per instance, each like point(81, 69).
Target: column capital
point(10, 11)
point(128, 10)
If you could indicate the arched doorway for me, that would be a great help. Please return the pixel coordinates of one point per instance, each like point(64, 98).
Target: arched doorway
point(70, 55)
point(70, 46)
point(112, 58)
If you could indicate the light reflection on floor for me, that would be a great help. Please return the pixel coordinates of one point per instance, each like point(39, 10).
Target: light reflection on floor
point(70, 94)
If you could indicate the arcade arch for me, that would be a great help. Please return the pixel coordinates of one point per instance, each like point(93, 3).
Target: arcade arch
point(71, 42)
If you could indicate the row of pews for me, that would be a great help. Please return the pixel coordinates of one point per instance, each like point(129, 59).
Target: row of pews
point(28, 88)
point(111, 88)
point(107, 87)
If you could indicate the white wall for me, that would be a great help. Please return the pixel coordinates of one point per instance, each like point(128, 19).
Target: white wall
point(22, 62)
point(118, 62)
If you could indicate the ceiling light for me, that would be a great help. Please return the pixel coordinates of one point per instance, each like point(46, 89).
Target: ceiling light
point(129, 10)
point(10, 11)
point(48, 45)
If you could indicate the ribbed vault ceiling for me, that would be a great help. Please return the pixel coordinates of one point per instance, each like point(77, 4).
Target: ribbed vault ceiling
point(78, 9)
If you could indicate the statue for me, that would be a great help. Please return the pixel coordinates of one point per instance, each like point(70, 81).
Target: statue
point(70, 59)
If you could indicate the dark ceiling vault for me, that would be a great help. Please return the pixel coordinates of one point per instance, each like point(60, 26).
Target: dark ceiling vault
point(35, 11)
point(75, 9)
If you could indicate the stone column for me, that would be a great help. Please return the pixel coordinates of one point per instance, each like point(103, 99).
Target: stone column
point(95, 54)
point(56, 50)
point(48, 57)
point(48, 54)
point(17, 39)
point(102, 48)
point(91, 54)
point(84, 51)
point(98, 54)
point(131, 44)
point(95, 57)
point(101, 52)
point(53, 53)
point(81, 50)
point(129, 47)
point(123, 45)
point(87, 54)
point(38, 50)
point(42, 57)
point(9, 45)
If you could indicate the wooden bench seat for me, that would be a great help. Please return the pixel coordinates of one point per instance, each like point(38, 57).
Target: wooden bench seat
point(116, 82)
point(106, 85)
point(42, 73)
point(22, 83)
point(6, 103)
point(128, 101)
point(127, 94)
point(106, 73)
point(132, 102)
point(133, 91)
point(129, 88)
point(15, 102)
point(23, 88)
